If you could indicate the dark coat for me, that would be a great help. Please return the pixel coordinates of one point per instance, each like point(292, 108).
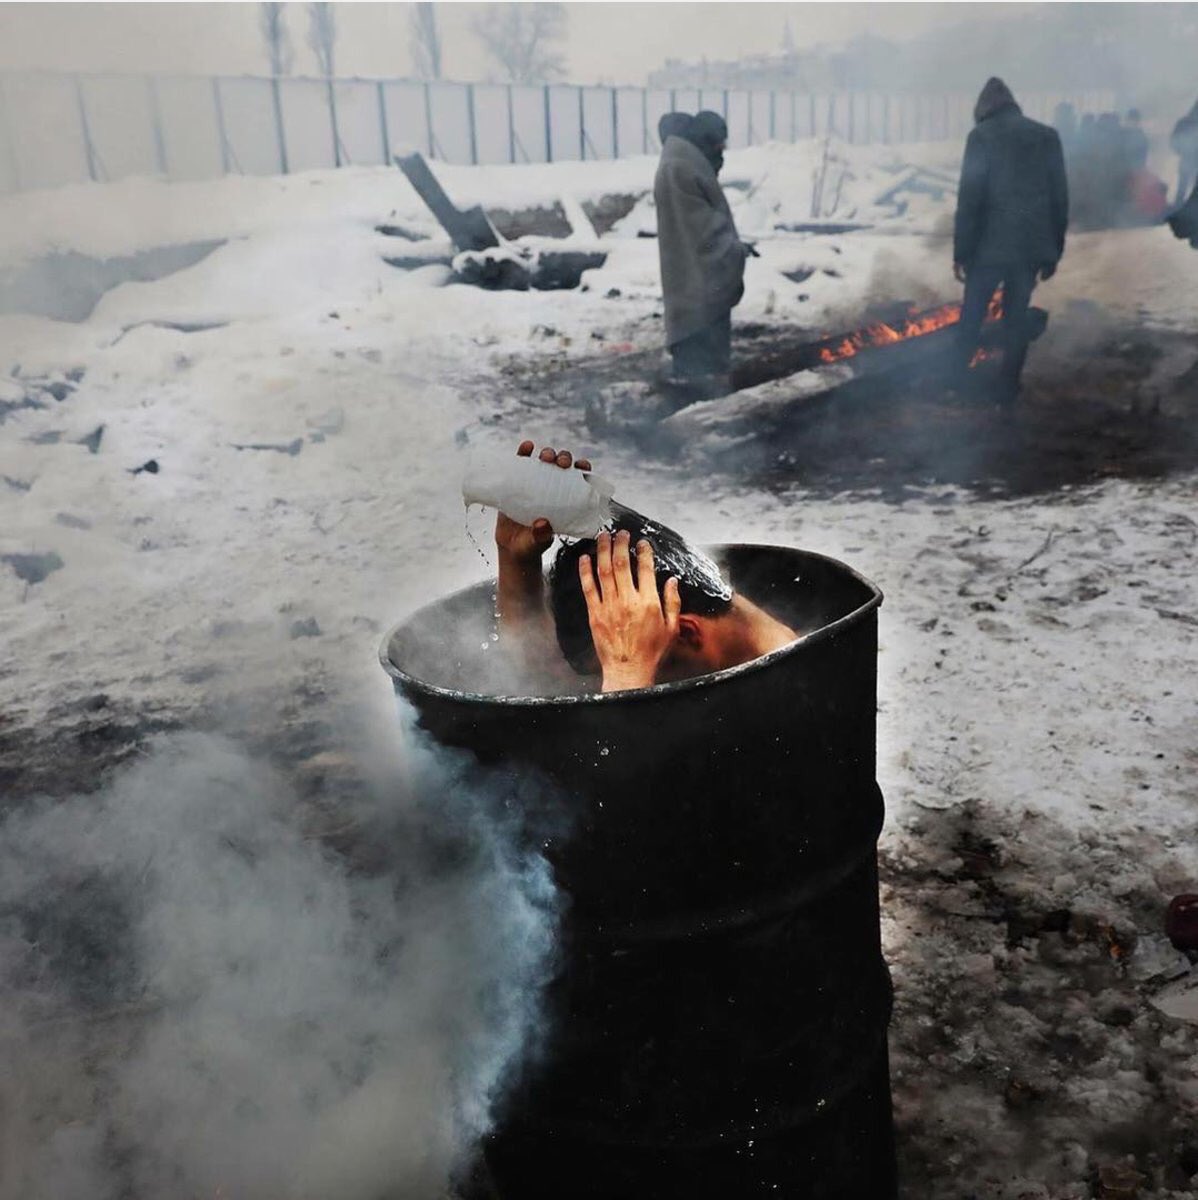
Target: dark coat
point(702, 258)
point(1013, 203)
point(1185, 136)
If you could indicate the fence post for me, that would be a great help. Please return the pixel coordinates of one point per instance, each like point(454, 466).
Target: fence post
point(582, 127)
point(615, 124)
point(428, 120)
point(221, 133)
point(333, 121)
point(281, 137)
point(85, 129)
point(548, 129)
point(6, 130)
point(471, 122)
point(156, 124)
point(511, 126)
point(384, 131)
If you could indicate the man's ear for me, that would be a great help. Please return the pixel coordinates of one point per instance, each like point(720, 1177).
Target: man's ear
point(690, 632)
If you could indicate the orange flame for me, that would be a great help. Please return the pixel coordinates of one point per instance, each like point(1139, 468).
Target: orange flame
point(916, 324)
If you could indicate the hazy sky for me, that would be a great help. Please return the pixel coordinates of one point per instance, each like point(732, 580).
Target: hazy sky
point(609, 42)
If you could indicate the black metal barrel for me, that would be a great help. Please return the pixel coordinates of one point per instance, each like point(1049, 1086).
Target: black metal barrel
point(716, 1025)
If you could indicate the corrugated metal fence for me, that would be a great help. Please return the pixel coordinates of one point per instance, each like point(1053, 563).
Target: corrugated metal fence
point(57, 129)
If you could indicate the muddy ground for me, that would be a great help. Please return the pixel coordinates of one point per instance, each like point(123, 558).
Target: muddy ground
point(1014, 1012)
point(1100, 401)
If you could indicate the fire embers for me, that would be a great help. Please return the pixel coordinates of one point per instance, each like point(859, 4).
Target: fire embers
point(1181, 922)
point(917, 324)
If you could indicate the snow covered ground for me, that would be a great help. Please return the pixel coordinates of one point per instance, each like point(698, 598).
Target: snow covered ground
point(1037, 655)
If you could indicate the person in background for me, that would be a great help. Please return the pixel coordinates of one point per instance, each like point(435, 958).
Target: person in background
point(672, 124)
point(1064, 121)
point(702, 257)
point(1012, 212)
point(1135, 142)
point(1185, 145)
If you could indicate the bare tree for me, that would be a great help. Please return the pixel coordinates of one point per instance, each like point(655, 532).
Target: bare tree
point(277, 38)
point(322, 36)
point(425, 41)
point(520, 38)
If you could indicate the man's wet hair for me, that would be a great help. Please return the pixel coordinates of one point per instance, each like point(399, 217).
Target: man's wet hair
point(700, 587)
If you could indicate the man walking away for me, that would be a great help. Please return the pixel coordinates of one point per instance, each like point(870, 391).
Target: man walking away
point(1185, 145)
point(702, 258)
point(1012, 211)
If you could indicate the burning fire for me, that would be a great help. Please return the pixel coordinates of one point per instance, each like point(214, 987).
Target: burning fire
point(917, 324)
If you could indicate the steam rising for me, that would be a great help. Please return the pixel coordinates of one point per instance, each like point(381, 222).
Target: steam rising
point(200, 999)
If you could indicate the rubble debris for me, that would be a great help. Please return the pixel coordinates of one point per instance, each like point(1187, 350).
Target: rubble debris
point(920, 181)
point(799, 274)
point(48, 437)
point(609, 210)
point(469, 230)
point(398, 231)
point(92, 440)
point(728, 420)
point(72, 522)
point(824, 227)
point(17, 485)
point(540, 221)
point(306, 628)
point(150, 468)
point(291, 448)
point(629, 407)
point(518, 268)
point(414, 262)
point(67, 286)
point(33, 568)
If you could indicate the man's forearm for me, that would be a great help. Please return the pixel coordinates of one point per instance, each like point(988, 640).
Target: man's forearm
point(520, 593)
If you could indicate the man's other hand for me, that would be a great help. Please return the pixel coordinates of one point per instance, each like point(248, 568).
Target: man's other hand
point(632, 627)
point(959, 272)
point(525, 543)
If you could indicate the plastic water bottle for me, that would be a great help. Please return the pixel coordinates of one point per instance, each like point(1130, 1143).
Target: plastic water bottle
point(576, 503)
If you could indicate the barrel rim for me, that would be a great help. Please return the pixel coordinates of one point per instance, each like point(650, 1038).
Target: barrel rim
point(817, 637)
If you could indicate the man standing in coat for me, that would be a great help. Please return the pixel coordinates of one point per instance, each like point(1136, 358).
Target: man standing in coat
point(702, 258)
point(1185, 145)
point(1012, 212)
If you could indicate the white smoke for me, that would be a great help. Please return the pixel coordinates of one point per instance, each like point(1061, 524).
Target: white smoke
point(197, 998)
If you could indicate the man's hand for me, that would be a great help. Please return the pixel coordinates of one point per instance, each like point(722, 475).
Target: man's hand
point(959, 272)
point(1047, 271)
point(521, 587)
point(527, 543)
point(632, 627)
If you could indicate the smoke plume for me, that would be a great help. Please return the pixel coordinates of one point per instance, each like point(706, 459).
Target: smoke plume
point(199, 998)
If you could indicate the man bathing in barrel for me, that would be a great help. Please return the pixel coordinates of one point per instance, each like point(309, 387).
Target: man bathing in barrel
point(609, 619)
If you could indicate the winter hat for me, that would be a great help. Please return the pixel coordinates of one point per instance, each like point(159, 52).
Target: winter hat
point(994, 97)
point(673, 124)
point(709, 132)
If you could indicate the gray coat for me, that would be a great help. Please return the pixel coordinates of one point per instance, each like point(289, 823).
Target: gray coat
point(1013, 204)
point(702, 258)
